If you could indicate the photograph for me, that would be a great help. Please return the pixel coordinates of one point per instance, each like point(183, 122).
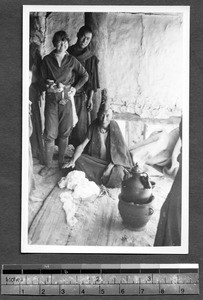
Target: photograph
point(105, 129)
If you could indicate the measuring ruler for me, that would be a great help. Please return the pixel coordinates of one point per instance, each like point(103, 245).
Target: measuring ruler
point(100, 279)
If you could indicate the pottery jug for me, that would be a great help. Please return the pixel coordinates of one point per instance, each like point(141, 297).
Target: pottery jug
point(135, 216)
point(137, 188)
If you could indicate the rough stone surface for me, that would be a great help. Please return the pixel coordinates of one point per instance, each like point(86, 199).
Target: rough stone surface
point(141, 62)
point(69, 22)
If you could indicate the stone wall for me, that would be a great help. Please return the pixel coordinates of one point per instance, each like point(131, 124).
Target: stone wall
point(43, 26)
point(69, 22)
point(140, 61)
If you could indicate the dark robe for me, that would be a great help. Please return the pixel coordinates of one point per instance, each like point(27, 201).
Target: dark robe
point(90, 62)
point(117, 153)
point(117, 150)
point(169, 226)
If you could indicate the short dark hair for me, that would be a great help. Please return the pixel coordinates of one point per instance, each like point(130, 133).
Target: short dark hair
point(59, 36)
point(84, 29)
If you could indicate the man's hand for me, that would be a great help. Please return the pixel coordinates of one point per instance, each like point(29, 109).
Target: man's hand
point(60, 87)
point(72, 91)
point(107, 172)
point(70, 164)
point(51, 88)
point(89, 104)
point(55, 88)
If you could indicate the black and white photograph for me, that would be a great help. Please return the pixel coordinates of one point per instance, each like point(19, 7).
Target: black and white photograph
point(105, 129)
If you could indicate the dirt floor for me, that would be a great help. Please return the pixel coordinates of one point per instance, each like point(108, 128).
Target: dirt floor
point(98, 221)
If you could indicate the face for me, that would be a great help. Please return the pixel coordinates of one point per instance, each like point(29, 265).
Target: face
point(84, 40)
point(61, 46)
point(105, 118)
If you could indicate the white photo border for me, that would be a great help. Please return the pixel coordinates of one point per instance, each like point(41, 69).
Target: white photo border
point(184, 248)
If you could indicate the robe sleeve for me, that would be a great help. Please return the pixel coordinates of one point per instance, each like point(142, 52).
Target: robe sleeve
point(92, 69)
point(82, 74)
point(119, 152)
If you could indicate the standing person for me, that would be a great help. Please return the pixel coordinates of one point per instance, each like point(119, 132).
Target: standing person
point(85, 102)
point(59, 69)
point(169, 226)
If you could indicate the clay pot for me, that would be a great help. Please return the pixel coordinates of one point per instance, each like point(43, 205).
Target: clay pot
point(137, 188)
point(135, 216)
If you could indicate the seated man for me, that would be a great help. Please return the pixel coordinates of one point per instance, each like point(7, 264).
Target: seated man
point(107, 160)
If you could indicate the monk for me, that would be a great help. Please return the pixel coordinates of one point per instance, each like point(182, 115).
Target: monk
point(85, 101)
point(106, 160)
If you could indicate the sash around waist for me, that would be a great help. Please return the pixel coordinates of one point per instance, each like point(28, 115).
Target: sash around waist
point(58, 96)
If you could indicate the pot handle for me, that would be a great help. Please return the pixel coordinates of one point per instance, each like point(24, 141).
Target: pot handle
point(151, 211)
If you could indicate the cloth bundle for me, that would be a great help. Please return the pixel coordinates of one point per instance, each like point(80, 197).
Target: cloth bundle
point(69, 96)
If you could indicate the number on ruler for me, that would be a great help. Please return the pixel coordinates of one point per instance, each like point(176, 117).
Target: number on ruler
point(141, 291)
point(43, 291)
point(102, 291)
point(182, 291)
point(62, 291)
point(162, 291)
point(82, 291)
point(122, 291)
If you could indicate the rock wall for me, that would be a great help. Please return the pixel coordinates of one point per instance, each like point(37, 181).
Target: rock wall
point(69, 22)
point(141, 62)
point(43, 26)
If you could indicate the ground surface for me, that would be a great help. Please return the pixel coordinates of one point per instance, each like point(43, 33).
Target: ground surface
point(98, 221)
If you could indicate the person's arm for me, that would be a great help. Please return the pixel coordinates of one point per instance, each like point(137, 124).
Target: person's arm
point(93, 82)
point(77, 154)
point(107, 173)
point(82, 74)
point(107, 170)
point(89, 101)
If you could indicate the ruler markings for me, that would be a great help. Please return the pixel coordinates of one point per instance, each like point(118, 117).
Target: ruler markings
point(49, 289)
point(111, 289)
point(97, 279)
point(69, 290)
point(29, 290)
point(71, 280)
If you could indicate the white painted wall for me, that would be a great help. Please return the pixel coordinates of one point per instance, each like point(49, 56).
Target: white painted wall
point(142, 63)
